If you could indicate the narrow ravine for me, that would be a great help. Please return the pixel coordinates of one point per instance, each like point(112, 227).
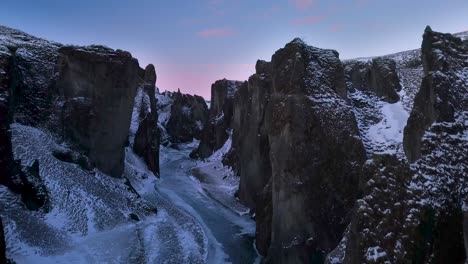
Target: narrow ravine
point(194, 227)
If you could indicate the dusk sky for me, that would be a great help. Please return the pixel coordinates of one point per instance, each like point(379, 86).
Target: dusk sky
point(194, 43)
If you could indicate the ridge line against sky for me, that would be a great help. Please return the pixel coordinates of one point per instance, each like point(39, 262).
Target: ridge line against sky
point(194, 43)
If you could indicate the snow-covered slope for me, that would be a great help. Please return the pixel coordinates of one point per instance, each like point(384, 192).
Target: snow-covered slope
point(92, 216)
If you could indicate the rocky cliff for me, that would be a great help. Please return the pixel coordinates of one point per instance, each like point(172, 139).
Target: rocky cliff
point(6, 156)
point(97, 86)
point(315, 153)
point(188, 117)
point(146, 137)
point(2, 244)
point(64, 126)
point(415, 213)
point(442, 97)
point(215, 132)
point(302, 129)
point(378, 75)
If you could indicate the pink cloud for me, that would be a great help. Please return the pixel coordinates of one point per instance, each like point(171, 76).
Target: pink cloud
point(307, 20)
point(336, 27)
point(301, 5)
point(215, 32)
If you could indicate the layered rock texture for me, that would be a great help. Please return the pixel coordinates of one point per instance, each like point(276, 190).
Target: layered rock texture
point(98, 86)
point(182, 117)
point(65, 114)
point(215, 132)
point(6, 156)
point(327, 166)
point(378, 75)
point(415, 213)
point(146, 139)
point(315, 153)
point(442, 97)
point(189, 114)
point(2, 244)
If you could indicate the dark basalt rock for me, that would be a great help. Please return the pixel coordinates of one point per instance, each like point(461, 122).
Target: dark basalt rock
point(390, 225)
point(417, 213)
point(81, 94)
point(382, 210)
point(98, 86)
point(134, 217)
point(379, 76)
point(215, 133)
point(384, 79)
point(147, 137)
point(189, 114)
point(25, 181)
point(69, 156)
point(315, 153)
point(443, 91)
point(33, 89)
point(3, 258)
point(6, 156)
point(249, 155)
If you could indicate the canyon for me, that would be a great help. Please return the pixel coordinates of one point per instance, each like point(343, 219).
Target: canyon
point(313, 159)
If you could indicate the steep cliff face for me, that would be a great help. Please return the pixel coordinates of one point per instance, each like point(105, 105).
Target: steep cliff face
point(381, 228)
point(98, 86)
point(82, 94)
point(146, 138)
point(64, 111)
point(2, 244)
point(250, 152)
point(442, 97)
point(436, 142)
point(6, 156)
point(315, 153)
point(250, 138)
point(188, 116)
point(415, 213)
point(215, 133)
point(378, 76)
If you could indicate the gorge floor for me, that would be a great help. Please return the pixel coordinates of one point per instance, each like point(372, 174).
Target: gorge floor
point(89, 225)
point(229, 234)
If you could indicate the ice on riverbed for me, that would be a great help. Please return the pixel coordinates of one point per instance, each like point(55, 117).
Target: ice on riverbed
point(89, 220)
point(219, 180)
point(229, 234)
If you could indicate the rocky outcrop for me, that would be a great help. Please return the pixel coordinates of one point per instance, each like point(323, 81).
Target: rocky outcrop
point(26, 181)
point(415, 213)
point(443, 89)
point(250, 138)
point(382, 210)
point(315, 153)
point(215, 133)
point(3, 258)
point(147, 137)
point(98, 86)
point(249, 155)
point(188, 116)
point(378, 76)
point(6, 156)
point(82, 94)
point(401, 220)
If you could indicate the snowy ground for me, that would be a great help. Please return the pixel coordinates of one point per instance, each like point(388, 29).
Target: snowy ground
point(219, 181)
point(89, 220)
point(381, 124)
point(230, 235)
